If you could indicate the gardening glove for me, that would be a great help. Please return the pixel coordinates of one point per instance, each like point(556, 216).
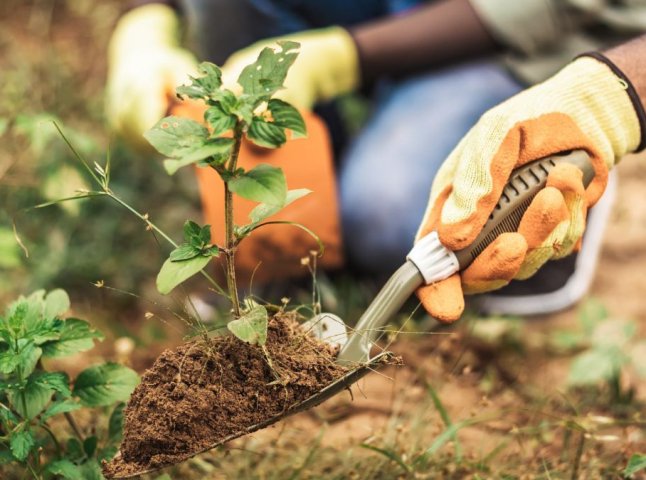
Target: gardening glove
point(327, 66)
point(588, 105)
point(145, 64)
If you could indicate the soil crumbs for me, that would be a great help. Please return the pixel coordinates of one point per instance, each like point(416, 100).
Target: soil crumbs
point(198, 394)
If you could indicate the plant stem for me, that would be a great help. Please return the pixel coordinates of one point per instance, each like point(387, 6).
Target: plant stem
point(74, 426)
point(154, 227)
point(230, 245)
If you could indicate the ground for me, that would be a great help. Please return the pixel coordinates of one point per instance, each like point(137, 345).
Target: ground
point(486, 398)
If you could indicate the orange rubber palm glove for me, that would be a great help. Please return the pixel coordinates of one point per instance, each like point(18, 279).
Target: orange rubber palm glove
point(585, 106)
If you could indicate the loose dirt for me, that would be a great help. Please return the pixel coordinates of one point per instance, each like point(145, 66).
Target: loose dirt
point(198, 394)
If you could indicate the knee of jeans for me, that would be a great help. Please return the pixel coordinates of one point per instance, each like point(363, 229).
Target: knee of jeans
point(378, 230)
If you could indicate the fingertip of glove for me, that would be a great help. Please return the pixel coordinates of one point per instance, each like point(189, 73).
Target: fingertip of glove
point(443, 300)
point(566, 178)
point(499, 262)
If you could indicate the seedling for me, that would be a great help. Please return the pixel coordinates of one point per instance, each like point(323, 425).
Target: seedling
point(229, 117)
point(31, 397)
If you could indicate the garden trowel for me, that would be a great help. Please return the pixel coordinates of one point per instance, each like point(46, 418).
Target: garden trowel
point(428, 262)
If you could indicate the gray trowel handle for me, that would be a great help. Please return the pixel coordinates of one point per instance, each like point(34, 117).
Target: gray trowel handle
point(429, 261)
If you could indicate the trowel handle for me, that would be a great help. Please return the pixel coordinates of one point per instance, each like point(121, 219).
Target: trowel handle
point(435, 262)
point(429, 261)
point(523, 185)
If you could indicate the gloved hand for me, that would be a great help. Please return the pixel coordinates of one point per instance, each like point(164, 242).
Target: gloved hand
point(327, 66)
point(145, 64)
point(584, 106)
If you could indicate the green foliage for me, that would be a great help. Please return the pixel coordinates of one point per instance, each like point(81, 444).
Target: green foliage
point(188, 258)
point(32, 329)
point(606, 346)
point(216, 144)
point(263, 183)
point(105, 384)
point(636, 464)
point(251, 327)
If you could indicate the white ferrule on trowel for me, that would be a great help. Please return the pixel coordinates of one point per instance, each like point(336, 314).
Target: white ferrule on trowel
point(433, 260)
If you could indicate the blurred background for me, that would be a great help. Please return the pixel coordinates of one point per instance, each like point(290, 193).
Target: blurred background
point(521, 373)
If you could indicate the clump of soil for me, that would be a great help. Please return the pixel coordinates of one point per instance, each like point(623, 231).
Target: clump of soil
point(200, 393)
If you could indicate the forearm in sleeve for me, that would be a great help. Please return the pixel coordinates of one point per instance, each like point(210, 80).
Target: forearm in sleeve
point(443, 32)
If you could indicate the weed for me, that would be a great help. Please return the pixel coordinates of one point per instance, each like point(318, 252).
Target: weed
point(32, 397)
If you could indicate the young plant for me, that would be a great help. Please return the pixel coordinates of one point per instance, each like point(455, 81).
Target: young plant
point(34, 401)
point(608, 346)
point(229, 117)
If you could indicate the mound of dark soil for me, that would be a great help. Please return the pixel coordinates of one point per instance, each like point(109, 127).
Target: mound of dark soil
point(200, 393)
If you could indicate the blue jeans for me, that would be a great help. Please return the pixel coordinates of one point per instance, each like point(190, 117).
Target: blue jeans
point(386, 173)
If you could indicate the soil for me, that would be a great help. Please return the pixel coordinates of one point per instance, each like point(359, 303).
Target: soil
point(198, 394)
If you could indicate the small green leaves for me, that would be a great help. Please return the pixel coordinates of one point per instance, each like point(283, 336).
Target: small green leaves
point(105, 384)
point(263, 183)
point(186, 142)
point(174, 273)
point(188, 258)
point(62, 406)
point(267, 74)
point(252, 326)
point(219, 120)
point(75, 336)
point(266, 210)
point(21, 444)
point(286, 116)
point(266, 134)
point(636, 464)
point(205, 86)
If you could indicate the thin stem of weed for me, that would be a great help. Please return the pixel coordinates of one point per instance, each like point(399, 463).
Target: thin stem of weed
point(230, 245)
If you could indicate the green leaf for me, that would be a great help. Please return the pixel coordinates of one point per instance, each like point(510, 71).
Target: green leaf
point(92, 470)
point(57, 302)
point(7, 415)
point(65, 469)
point(89, 445)
point(219, 120)
point(9, 361)
point(105, 384)
point(174, 273)
point(21, 444)
point(204, 86)
point(286, 116)
point(636, 464)
point(252, 326)
point(177, 137)
point(266, 134)
point(115, 423)
point(267, 74)
point(28, 356)
point(57, 381)
point(76, 336)
point(186, 141)
point(191, 231)
point(263, 183)
point(74, 450)
point(264, 210)
point(593, 366)
point(219, 149)
point(31, 399)
point(184, 252)
point(62, 406)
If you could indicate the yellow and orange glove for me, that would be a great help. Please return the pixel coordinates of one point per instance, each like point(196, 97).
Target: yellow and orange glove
point(145, 65)
point(327, 66)
point(585, 106)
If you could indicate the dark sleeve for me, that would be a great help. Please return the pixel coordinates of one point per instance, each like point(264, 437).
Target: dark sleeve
point(443, 32)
